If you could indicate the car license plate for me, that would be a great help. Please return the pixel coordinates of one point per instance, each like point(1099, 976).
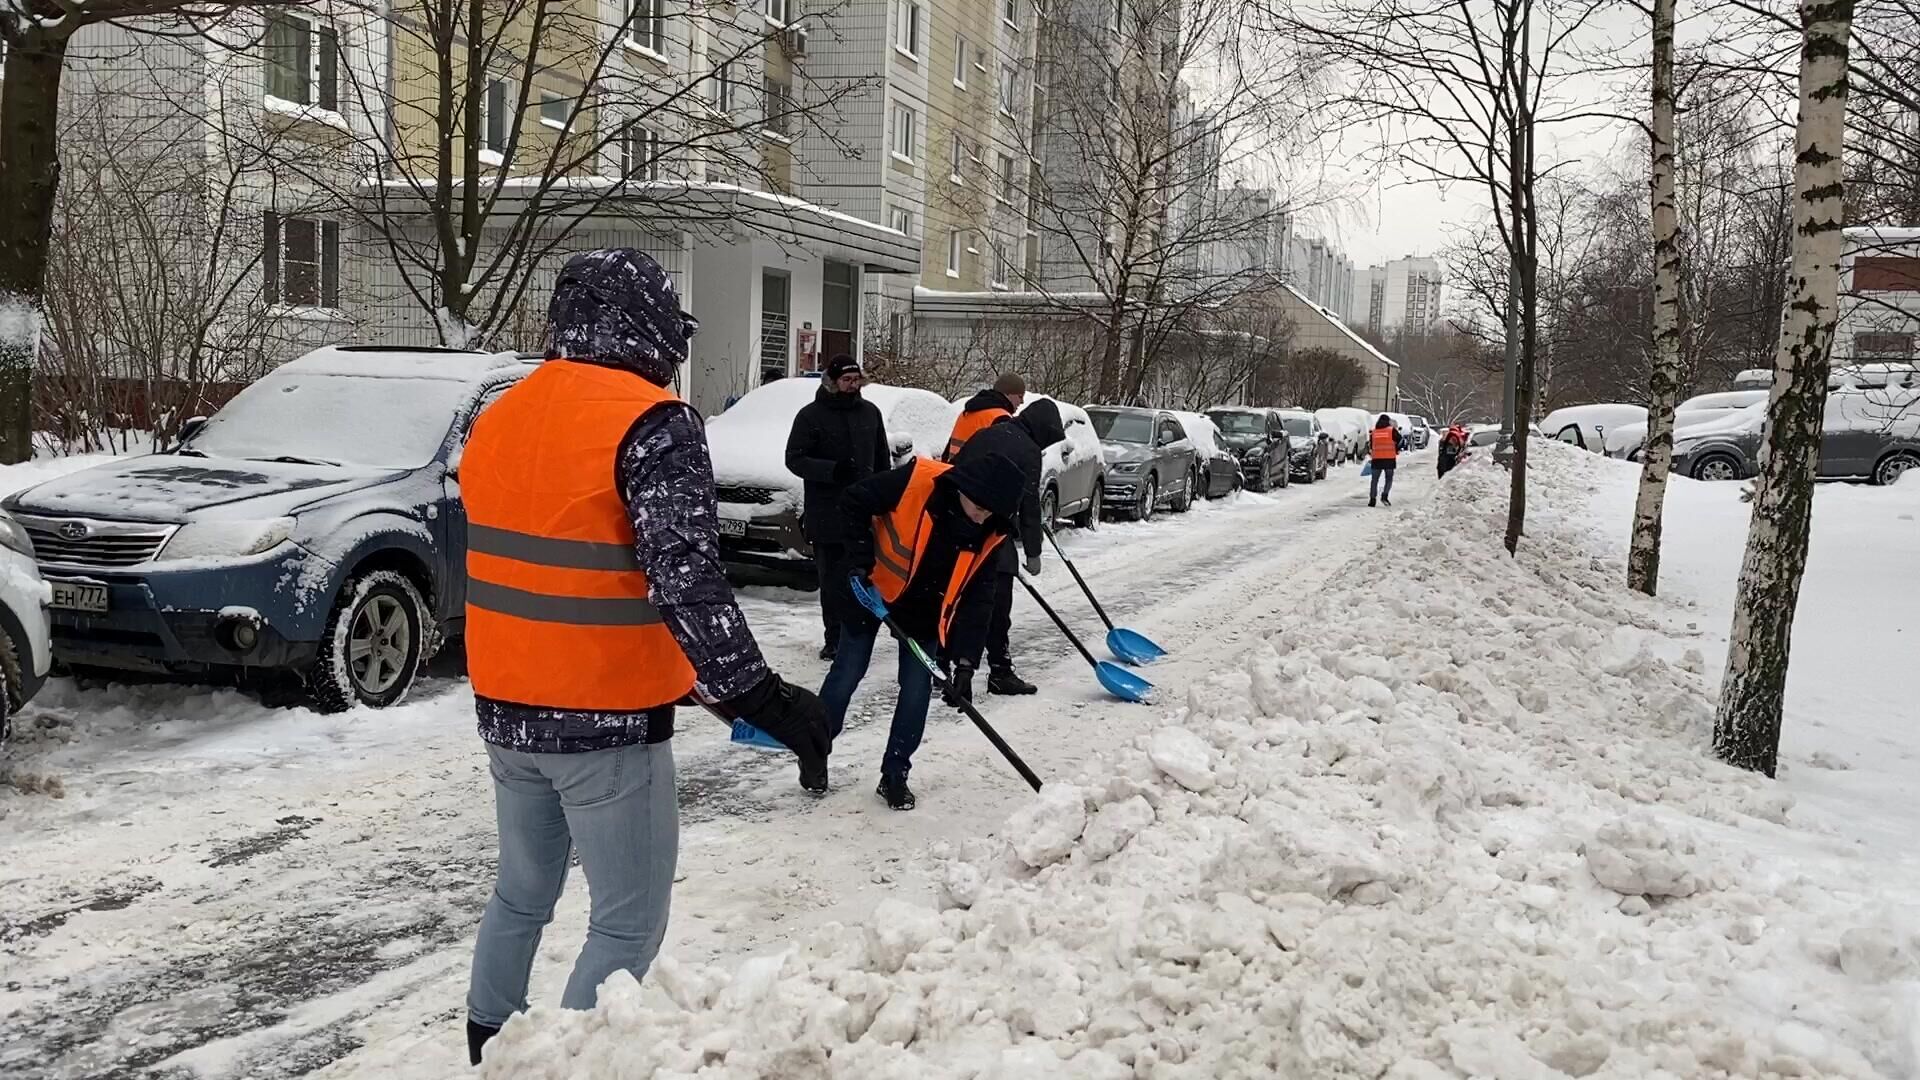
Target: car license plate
point(733, 527)
point(79, 596)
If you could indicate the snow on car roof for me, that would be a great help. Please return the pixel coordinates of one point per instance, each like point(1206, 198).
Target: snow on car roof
point(748, 442)
point(391, 362)
point(1201, 432)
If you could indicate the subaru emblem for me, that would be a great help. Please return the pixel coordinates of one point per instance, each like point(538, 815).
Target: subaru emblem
point(73, 530)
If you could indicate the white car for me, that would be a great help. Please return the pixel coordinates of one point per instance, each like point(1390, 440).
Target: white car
point(26, 650)
point(1346, 430)
point(760, 501)
point(1073, 473)
point(1586, 426)
point(1626, 440)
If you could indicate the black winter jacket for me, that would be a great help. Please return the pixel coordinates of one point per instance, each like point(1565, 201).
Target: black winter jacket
point(917, 609)
point(837, 440)
point(1022, 440)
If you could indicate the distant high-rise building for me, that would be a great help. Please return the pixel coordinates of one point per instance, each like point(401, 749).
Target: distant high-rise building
point(1403, 295)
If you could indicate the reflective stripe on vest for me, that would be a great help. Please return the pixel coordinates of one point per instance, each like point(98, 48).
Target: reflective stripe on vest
point(1385, 443)
point(969, 425)
point(558, 614)
point(900, 539)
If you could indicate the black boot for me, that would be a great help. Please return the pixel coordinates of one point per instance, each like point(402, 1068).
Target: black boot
point(1002, 680)
point(814, 782)
point(896, 793)
point(477, 1036)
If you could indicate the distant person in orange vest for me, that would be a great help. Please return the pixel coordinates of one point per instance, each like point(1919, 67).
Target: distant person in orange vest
point(1384, 444)
point(924, 535)
point(1453, 447)
point(1002, 399)
point(595, 604)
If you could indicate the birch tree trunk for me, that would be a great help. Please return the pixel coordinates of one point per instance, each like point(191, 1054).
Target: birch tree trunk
point(1643, 555)
point(1746, 727)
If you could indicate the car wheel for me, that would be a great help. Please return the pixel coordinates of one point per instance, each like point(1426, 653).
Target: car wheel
point(1096, 507)
point(1149, 498)
point(373, 645)
point(1050, 506)
point(1183, 502)
point(1716, 467)
point(12, 696)
point(1308, 476)
point(1893, 466)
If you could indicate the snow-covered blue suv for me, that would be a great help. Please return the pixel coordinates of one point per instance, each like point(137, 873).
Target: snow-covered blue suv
point(313, 526)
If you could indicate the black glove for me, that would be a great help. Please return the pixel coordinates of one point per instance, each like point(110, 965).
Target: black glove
point(959, 688)
point(794, 716)
point(845, 472)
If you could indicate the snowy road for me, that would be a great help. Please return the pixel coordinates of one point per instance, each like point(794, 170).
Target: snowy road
point(224, 890)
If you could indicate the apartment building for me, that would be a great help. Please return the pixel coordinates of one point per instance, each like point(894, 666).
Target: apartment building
point(1404, 295)
point(1879, 296)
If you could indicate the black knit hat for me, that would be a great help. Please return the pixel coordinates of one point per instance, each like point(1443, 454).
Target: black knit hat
point(993, 482)
point(842, 364)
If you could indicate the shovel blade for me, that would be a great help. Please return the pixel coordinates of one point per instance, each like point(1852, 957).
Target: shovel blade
point(745, 734)
point(1122, 683)
point(1133, 647)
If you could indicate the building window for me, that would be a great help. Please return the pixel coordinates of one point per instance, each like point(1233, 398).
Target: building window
point(905, 120)
point(647, 25)
point(640, 153)
point(1002, 265)
point(1006, 179)
point(1883, 345)
point(720, 85)
point(909, 21)
point(900, 220)
point(1009, 88)
point(494, 117)
point(779, 107)
point(957, 154)
point(556, 110)
point(1010, 13)
point(954, 246)
point(303, 62)
point(960, 62)
point(302, 261)
point(777, 11)
point(776, 316)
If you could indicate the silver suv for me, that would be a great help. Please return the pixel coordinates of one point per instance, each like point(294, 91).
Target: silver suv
point(1870, 434)
point(1150, 459)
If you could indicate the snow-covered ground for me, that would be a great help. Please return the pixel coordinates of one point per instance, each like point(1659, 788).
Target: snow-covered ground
point(1404, 807)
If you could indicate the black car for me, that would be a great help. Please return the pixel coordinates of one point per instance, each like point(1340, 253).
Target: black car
point(1259, 439)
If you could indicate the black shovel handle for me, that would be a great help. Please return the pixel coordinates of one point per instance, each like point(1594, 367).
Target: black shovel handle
point(973, 714)
point(1078, 580)
point(1058, 621)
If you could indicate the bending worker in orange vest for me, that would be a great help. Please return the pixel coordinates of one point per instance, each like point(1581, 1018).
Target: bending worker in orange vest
point(924, 534)
point(1385, 447)
point(595, 603)
point(1004, 398)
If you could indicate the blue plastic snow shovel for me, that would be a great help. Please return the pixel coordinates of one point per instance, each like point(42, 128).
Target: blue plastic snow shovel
point(745, 734)
point(1131, 646)
point(869, 599)
point(1119, 682)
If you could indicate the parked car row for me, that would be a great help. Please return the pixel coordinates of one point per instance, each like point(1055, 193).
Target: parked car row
point(313, 527)
point(1871, 430)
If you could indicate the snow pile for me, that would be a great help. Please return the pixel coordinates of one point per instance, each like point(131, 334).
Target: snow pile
point(1460, 823)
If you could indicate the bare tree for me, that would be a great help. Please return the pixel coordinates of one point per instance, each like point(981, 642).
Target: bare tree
point(36, 35)
point(1643, 556)
point(534, 120)
point(1746, 729)
point(1148, 203)
point(1318, 378)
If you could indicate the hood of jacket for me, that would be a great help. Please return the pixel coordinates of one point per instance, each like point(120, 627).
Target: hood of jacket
point(618, 307)
point(988, 399)
point(994, 482)
point(1041, 419)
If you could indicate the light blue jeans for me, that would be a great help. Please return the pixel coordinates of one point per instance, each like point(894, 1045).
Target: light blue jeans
point(617, 807)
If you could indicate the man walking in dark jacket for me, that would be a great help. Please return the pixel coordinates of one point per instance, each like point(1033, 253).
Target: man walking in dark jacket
point(595, 604)
point(838, 438)
point(924, 536)
point(1023, 440)
point(984, 409)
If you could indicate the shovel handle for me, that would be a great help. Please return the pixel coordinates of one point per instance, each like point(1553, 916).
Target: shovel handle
point(1078, 580)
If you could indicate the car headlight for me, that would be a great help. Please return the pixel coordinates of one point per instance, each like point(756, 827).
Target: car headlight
point(13, 536)
point(1127, 467)
point(1254, 453)
point(226, 539)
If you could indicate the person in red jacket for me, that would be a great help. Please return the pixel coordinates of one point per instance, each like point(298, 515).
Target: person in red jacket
point(1385, 445)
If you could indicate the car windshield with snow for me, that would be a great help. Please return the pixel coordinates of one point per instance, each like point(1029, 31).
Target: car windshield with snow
point(1122, 427)
point(311, 528)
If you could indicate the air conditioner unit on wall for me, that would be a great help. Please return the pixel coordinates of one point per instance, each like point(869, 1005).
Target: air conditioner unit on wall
point(793, 40)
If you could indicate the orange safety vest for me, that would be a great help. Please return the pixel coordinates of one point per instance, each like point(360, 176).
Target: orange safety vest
point(1386, 446)
point(557, 608)
point(900, 539)
point(969, 425)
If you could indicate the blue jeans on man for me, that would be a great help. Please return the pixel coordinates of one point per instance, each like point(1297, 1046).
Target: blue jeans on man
point(1377, 490)
point(618, 808)
point(857, 637)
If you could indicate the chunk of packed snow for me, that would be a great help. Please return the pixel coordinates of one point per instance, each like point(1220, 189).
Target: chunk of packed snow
point(1183, 756)
point(1044, 830)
